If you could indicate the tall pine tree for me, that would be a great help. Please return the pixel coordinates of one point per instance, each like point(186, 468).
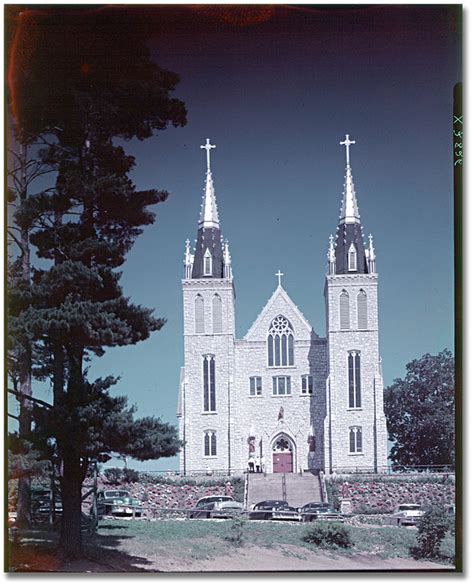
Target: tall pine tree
point(89, 81)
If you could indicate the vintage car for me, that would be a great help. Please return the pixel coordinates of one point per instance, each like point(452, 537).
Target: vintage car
point(406, 514)
point(274, 509)
point(217, 507)
point(117, 503)
point(317, 511)
point(41, 503)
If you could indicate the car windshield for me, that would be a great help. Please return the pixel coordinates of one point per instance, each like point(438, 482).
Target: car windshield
point(208, 500)
point(112, 494)
point(409, 508)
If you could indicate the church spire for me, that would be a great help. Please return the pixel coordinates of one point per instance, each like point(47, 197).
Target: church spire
point(209, 217)
point(349, 209)
point(208, 260)
point(350, 256)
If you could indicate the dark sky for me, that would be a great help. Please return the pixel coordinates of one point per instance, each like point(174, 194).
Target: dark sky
point(276, 88)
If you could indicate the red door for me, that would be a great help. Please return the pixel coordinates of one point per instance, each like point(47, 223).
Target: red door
point(282, 462)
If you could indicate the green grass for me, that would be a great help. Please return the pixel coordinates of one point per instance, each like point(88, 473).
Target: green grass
point(203, 539)
point(132, 543)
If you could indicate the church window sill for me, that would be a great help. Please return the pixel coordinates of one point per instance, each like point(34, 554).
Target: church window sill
point(273, 367)
point(209, 413)
point(355, 453)
point(354, 409)
point(282, 395)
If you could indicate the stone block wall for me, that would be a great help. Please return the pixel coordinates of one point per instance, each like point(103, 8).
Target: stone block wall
point(369, 416)
point(194, 420)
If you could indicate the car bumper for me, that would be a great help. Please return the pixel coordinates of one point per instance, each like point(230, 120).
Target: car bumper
point(282, 516)
point(226, 513)
point(121, 511)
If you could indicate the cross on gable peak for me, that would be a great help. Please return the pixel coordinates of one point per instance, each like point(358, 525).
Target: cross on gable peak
point(279, 274)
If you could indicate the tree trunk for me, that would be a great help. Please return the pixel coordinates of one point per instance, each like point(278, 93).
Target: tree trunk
point(23, 520)
point(24, 358)
point(23, 509)
point(70, 543)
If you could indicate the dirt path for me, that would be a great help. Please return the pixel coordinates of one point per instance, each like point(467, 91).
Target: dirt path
point(286, 558)
point(247, 559)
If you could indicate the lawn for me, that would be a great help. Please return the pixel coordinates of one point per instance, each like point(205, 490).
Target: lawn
point(216, 545)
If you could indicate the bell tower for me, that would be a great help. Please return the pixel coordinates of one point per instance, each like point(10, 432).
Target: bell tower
point(355, 426)
point(209, 332)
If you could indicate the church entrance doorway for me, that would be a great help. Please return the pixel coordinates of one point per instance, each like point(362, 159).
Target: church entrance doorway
point(282, 453)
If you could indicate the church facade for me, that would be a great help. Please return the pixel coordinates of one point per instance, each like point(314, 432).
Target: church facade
point(283, 397)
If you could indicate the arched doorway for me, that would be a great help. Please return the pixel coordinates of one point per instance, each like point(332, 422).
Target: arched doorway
point(283, 454)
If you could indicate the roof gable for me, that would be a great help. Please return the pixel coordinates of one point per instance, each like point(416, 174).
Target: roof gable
point(279, 304)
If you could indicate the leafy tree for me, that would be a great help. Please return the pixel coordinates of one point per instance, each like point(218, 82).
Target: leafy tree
point(420, 412)
point(89, 81)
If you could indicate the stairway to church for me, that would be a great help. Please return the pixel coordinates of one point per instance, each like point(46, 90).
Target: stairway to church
point(300, 489)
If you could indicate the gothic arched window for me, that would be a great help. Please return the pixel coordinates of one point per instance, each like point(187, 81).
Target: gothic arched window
point(355, 440)
point(354, 379)
point(217, 314)
point(207, 263)
point(362, 310)
point(280, 343)
point(209, 383)
point(344, 320)
point(199, 314)
point(210, 443)
point(352, 258)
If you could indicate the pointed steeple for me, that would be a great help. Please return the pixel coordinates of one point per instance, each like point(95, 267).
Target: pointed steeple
point(208, 261)
point(209, 216)
point(350, 256)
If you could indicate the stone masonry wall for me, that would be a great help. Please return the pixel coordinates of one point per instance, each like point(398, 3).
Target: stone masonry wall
point(260, 413)
point(195, 347)
point(370, 416)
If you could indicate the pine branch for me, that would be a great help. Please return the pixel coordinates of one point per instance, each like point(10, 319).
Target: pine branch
point(15, 239)
point(21, 395)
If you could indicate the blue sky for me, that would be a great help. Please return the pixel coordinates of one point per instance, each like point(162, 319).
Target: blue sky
point(276, 97)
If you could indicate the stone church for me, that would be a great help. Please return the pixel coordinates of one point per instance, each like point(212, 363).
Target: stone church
point(283, 397)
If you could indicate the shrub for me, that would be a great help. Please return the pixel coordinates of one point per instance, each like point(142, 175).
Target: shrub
point(328, 534)
point(113, 475)
point(236, 535)
point(364, 509)
point(432, 528)
point(130, 476)
point(331, 491)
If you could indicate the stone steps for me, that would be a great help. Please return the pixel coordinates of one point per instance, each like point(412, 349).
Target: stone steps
point(300, 489)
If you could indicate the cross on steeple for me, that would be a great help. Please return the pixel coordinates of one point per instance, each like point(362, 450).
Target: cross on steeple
point(279, 275)
point(347, 143)
point(208, 146)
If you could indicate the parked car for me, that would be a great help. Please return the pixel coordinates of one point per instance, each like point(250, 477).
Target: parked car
point(216, 506)
point(319, 511)
point(41, 502)
point(406, 514)
point(274, 509)
point(117, 503)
